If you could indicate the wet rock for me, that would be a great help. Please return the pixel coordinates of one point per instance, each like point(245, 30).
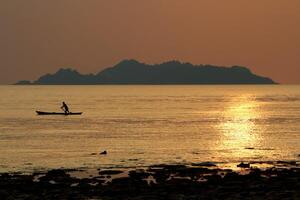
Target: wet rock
point(5, 176)
point(214, 179)
point(232, 176)
point(58, 176)
point(204, 164)
point(244, 165)
point(195, 173)
point(110, 172)
point(255, 174)
point(124, 181)
point(138, 174)
point(84, 185)
point(161, 176)
point(179, 182)
point(169, 167)
point(56, 173)
point(168, 183)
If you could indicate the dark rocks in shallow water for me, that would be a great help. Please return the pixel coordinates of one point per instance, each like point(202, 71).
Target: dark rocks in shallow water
point(255, 174)
point(128, 186)
point(138, 174)
point(57, 173)
point(179, 182)
point(124, 181)
point(244, 165)
point(231, 176)
point(110, 172)
point(194, 173)
point(170, 169)
point(174, 183)
point(214, 179)
point(161, 176)
point(204, 164)
point(57, 176)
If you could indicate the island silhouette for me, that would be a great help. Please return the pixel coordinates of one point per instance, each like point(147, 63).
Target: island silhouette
point(172, 72)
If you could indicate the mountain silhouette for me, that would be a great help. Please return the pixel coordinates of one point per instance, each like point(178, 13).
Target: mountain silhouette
point(172, 72)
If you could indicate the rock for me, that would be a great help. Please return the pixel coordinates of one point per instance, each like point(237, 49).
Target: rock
point(161, 176)
point(57, 173)
point(180, 182)
point(138, 174)
point(194, 173)
point(173, 183)
point(214, 179)
point(204, 164)
point(59, 176)
point(168, 167)
point(124, 181)
point(244, 165)
point(110, 172)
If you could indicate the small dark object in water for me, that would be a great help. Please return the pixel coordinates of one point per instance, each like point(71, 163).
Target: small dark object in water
point(250, 148)
point(244, 165)
point(103, 153)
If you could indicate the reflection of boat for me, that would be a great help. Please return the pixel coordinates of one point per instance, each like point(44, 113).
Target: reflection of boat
point(58, 113)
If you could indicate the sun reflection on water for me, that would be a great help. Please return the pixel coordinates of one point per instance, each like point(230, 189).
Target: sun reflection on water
point(239, 130)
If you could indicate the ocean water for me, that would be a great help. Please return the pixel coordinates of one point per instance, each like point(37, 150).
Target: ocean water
point(145, 125)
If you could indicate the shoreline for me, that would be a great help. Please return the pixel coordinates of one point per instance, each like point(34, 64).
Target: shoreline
point(198, 181)
point(261, 164)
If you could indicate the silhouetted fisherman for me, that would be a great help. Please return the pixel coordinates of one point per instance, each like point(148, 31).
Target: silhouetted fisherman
point(65, 108)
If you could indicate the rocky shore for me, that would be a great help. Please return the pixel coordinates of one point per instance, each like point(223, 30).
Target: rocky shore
point(198, 181)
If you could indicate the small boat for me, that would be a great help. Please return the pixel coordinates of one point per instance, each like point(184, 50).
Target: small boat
point(58, 113)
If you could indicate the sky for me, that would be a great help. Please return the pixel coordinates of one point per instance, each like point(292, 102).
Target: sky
point(38, 37)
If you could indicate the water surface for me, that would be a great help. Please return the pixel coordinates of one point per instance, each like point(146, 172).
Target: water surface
point(144, 125)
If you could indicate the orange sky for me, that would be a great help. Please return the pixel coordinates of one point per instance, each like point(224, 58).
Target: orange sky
point(38, 37)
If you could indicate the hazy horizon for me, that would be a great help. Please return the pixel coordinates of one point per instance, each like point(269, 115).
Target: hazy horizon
point(39, 37)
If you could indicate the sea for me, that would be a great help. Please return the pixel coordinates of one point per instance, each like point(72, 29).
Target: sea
point(143, 125)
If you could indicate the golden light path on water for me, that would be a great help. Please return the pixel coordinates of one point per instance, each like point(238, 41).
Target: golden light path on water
point(240, 133)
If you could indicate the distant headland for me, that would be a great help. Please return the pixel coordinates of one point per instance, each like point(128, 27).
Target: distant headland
point(172, 72)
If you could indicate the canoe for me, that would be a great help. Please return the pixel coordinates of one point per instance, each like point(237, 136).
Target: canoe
point(57, 113)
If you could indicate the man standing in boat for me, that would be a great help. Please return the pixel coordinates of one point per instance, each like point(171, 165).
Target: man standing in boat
point(65, 108)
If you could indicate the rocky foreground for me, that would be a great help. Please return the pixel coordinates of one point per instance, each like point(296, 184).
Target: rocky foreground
point(156, 182)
